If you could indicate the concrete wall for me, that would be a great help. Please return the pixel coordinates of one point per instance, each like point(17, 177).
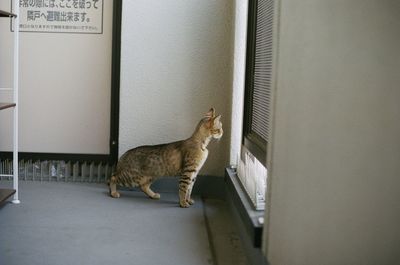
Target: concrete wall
point(336, 151)
point(176, 63)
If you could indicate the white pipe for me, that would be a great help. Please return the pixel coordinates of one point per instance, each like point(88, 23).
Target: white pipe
point(16, 72)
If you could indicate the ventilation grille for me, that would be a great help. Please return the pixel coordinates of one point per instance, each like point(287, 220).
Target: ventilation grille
point(253, 176)
point(262, 70)
point(57, 171)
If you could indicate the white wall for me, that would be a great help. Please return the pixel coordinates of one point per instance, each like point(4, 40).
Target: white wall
point(175, 64)
point(239, 56)
point(336, 150)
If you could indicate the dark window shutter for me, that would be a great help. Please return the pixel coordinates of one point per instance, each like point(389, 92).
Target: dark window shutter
point(258, 78)
point(262, 70)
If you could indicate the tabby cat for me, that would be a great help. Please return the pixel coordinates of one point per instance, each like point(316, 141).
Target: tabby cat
point(142, 165)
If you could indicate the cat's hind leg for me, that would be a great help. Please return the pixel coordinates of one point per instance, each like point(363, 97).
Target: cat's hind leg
point(145, 187)
point(113, 187)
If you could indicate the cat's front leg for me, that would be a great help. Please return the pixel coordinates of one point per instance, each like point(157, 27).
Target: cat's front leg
point(185, 189)
point(182, 196)
point(189, 193)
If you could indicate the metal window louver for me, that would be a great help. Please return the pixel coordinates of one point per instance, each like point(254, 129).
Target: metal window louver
point(260, 120)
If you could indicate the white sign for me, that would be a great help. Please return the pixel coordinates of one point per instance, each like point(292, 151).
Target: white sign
point(61, 16)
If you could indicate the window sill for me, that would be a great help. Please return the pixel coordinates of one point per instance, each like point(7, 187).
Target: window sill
point(250, 218)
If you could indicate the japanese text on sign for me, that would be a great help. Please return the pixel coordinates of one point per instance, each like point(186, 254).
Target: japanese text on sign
point(66, 16)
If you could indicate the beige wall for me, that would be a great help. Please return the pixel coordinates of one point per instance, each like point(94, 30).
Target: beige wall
point(336, 151)
point(65, 86)
point(176, 62)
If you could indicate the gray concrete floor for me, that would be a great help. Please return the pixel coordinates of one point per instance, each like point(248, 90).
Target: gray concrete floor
point(226, 245)
point(78, 223)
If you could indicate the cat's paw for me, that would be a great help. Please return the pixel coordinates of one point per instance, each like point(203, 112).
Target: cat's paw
point(156, 196)
point(115, 194)
point(190, 201)
point(184, 204)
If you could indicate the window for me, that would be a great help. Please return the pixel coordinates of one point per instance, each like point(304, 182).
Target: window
point(257, 116)
point(256, 129)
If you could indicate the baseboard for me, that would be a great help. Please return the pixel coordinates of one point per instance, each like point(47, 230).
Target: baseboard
point(205, 186)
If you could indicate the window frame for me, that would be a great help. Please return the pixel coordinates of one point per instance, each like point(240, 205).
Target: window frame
point(250, 140)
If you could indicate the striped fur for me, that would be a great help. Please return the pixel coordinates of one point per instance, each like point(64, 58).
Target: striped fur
point(142, 165)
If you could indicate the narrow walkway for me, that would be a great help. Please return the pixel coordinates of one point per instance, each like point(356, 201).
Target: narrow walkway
point(226, 245)
point(78, 223)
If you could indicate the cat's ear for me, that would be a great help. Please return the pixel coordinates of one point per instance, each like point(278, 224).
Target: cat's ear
point(210, 114)
point(217, 119)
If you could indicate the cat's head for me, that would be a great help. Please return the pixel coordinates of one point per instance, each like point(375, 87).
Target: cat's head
point(212, 124)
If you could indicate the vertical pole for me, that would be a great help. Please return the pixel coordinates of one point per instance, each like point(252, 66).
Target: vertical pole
point(16, 68)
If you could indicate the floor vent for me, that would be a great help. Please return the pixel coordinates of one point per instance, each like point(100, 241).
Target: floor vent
point(57, 171)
